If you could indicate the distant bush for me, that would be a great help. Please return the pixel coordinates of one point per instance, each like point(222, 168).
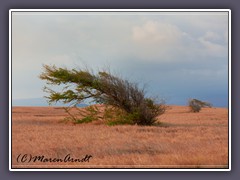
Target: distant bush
point(196, 105)
point(104, 88)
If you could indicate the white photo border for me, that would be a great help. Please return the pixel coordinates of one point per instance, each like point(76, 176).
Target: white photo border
point(119, 10)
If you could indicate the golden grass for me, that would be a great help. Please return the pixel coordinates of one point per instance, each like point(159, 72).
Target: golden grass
point(185, 140)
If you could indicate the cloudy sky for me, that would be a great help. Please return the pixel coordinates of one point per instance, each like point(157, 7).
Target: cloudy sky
point(179, 55)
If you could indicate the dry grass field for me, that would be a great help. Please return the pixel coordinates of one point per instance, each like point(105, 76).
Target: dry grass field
point(184, 140)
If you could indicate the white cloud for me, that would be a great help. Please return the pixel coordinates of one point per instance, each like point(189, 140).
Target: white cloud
point(162, 41)
point(211, 36)
point(154, 40)
point(156, 33)
point(212, 43)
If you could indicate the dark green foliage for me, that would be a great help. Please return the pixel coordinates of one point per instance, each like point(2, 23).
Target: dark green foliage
point(90, 115)
point(116, 116)
point(196, 105)
point(104, 88)
point(86, 119)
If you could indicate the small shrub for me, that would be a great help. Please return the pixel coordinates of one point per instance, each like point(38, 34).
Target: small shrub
point(196, 105)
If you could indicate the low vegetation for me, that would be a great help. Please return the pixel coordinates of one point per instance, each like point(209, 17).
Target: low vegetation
point(190, 140)
point(196, 105)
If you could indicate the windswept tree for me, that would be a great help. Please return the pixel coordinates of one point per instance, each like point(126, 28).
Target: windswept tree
point(196, 105)
point(103, 88)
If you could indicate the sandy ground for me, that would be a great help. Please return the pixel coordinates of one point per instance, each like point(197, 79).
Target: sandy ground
point(185, 140)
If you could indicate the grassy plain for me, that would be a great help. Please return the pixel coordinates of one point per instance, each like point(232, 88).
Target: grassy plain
point(183, 140)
